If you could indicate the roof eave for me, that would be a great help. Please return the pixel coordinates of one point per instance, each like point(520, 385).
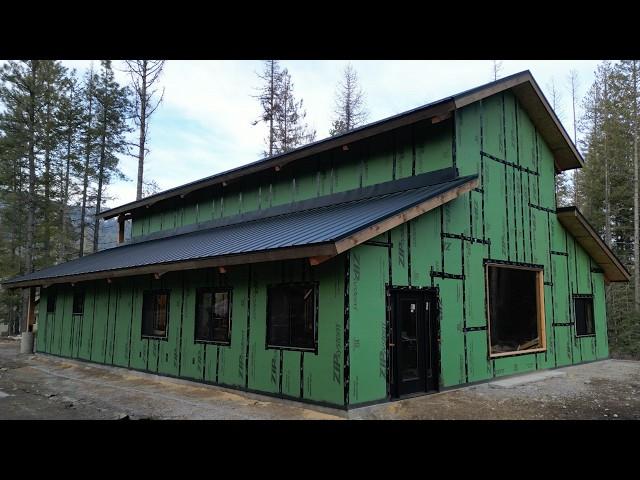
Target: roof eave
point(577, 225)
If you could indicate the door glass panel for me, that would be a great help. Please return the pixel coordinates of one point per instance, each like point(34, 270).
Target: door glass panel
point(409, 341)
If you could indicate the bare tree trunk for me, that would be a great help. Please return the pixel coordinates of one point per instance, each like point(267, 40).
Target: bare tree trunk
point(31, 201)
point(143, 126)
point(87, 164)
point(272, 100)
point(607, 206)
point(47, 185)
point(65, 201)
point(636, 200)
point(96, 224)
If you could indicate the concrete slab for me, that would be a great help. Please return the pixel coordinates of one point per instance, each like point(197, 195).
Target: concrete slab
point(524, 379)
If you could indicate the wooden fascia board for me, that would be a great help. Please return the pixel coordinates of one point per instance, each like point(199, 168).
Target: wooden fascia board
point(319, 250)
point(385, 225)
point(597, 249)
point(524, 87)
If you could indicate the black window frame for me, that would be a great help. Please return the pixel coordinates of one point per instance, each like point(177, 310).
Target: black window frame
point(214, 290)
point(156, 292)
point(52, 300)
point(76, 294)
point(270, 289)
point(575, 316)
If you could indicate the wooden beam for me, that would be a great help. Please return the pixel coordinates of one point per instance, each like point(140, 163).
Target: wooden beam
point(31, 309)
point(313, 261)
point(441, 118)
point(121, 228)
point(392, 222)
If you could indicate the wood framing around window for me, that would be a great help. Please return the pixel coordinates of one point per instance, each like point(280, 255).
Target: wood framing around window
point(541, 343)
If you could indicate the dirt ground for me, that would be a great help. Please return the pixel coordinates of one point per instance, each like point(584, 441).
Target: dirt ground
point(45, 387)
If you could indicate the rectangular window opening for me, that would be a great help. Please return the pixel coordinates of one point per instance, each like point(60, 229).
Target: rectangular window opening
point(515, 302)
point(213, 315)
point(78, 303)
point(583, 310)
point(292, 316)
point(155, 313)
point(51, 301)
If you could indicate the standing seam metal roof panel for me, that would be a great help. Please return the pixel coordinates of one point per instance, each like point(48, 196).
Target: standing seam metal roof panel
point(298, 228)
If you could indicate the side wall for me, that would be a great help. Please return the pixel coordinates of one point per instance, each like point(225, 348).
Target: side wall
point(109, 332)
point(509, 217)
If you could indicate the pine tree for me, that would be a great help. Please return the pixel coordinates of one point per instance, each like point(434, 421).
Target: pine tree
point(290, 130)
point(70, 120)
point(88, 140)
point(113, 106)
point(350, 110)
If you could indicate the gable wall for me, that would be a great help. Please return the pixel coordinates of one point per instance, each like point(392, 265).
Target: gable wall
point(510, 217)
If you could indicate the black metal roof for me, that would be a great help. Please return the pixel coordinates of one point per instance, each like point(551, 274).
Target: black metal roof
point(545, 115)
point(300, 224)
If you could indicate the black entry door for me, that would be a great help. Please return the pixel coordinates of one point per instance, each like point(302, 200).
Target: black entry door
point(414, 343)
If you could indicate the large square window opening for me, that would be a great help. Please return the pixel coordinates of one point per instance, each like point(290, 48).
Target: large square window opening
point(155, 313)
point(516, 310)
point(291, 317)
point(212, 316)
point(583, 309)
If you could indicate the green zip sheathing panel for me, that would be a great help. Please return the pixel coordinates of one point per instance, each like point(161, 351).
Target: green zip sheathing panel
point(109, 331)
point(414, 149)
point(368, 275)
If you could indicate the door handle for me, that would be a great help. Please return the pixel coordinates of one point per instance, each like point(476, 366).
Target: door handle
point(392, 344)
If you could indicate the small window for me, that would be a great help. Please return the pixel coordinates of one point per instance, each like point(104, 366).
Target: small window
point(155, 314)
point(291, 316)
point(51, 301)
point(78, 302)
point(212, 315)
point(516, 309)
point(583, 309)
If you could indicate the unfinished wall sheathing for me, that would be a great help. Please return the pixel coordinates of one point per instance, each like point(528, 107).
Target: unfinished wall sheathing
point(366, 162)
point(510, 218)
point(110, 330)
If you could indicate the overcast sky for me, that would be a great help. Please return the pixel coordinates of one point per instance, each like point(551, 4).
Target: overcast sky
point(204, 125)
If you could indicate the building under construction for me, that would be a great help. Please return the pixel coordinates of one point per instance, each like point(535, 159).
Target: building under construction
point(414, 254)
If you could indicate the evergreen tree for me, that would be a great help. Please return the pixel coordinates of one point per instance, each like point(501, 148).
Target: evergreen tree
point(113, 106)
point(70, 121)
point(290, 130)
point(350, 110)
point(88, 139)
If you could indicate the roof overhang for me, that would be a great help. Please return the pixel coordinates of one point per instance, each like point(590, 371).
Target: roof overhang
point(317, 252)
point(523, 85)
point(583, 232)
